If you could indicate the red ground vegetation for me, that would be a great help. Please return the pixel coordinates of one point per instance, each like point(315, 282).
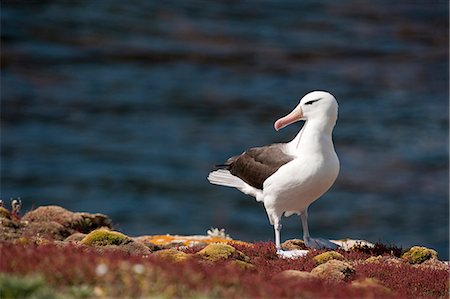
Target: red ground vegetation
point(408, 281)
point(117, 274)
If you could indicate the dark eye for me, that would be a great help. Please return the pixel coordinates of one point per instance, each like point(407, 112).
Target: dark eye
point(311, 102)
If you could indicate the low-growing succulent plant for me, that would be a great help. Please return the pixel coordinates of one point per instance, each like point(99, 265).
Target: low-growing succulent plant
point(116, 274)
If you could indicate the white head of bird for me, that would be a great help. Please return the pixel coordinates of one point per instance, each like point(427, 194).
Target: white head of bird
point(319, 106)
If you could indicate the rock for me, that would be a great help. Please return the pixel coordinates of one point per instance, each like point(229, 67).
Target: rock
point(50, 230)
point(51, 223)
point(49, 213)
point(333, 270)
point(104, 240)
point(88, 222)
point(170, 241)
point(294, 244)
point(295, 274)
point(370, 283)
point(173, 255)
point(76, 237)
point(214, 252)
point(327, 256)
point(134, 248)
point(197, 243)
point(152, 247)
point(418, 255)
point(103, 237)
point(77, 222)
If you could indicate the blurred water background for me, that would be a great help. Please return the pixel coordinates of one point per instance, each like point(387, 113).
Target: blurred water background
point(123, 107)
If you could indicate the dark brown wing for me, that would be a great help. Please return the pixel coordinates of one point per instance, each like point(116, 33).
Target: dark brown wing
point(255, 165)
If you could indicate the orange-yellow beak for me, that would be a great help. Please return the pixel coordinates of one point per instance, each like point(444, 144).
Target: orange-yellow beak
point(295, 115)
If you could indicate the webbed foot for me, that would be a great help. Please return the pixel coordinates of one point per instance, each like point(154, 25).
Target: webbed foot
point(319, 243)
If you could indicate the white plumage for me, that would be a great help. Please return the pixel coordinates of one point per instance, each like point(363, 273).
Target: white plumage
point(288, 177)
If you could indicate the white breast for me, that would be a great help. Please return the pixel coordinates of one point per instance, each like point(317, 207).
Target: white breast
point(300, 182)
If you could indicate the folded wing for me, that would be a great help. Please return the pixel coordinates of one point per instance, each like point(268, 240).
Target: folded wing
point(255, 165)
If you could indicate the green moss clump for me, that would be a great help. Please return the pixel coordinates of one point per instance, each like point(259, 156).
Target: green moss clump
point(333, 270)
point(104, 237)
point(418, 255)
point(328, 256)
point(217, 251)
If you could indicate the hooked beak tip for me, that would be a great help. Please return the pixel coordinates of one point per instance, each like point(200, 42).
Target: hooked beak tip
point(295, 115)
point(277, 126)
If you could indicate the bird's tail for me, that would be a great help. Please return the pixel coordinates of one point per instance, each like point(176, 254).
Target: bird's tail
point(225, 178)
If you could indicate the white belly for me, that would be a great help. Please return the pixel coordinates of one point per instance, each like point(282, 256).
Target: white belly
point(298, 183)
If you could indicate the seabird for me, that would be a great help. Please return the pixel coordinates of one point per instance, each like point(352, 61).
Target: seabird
point(288, 177)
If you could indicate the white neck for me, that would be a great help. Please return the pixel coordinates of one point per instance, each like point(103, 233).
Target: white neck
point(315, 136)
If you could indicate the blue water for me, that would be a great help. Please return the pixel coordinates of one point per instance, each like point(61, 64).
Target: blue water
point(123, 108)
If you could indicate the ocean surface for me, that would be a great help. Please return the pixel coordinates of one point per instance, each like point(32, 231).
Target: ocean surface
point(124, 107)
